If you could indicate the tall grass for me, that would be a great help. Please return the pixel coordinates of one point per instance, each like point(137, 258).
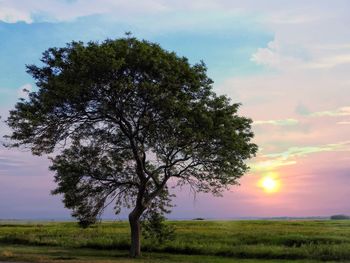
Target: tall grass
point(314, 240)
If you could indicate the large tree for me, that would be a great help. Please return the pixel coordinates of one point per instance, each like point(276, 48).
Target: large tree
point(124, 116)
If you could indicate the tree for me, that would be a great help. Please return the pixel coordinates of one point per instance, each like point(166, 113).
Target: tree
point(123, 117)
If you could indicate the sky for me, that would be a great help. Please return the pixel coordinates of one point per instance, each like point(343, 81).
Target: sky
point(287, 62)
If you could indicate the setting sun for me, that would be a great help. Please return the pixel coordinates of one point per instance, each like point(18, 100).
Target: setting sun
point(269, 183)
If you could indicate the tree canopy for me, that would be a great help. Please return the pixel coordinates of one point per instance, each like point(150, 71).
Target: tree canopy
point(124, 116)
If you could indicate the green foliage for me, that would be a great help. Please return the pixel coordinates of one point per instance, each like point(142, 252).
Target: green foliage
point(85, 221)
point(153, 221)
point(125, 116)
point(155, 229)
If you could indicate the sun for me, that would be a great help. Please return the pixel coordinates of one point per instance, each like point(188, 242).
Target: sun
point(269, 183)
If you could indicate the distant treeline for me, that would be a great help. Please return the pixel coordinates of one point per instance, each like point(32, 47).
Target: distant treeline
point(339, 217)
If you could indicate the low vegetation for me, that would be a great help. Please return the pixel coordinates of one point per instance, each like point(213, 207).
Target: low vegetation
point(195, 241)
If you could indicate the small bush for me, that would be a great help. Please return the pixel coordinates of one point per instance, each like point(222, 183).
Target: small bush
point(86, 222)
point(155, 229)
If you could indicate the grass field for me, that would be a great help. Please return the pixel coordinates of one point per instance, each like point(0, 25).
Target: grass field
point(196, 241)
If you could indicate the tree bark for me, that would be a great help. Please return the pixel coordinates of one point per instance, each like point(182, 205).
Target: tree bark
point(134, 221)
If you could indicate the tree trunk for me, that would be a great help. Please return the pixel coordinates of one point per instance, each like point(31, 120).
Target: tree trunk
point(134, 221)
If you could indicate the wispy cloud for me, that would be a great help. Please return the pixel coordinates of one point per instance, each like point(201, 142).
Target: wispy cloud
point(292, 19)
point(9, 163)
point(290, 156)
point(343, 111)
point(10, 160)
point(282, 122)
point(29, 11)
point(302, 151)
point(268, 165)
point(330, 61)
point(20, 162)
point(13, 15)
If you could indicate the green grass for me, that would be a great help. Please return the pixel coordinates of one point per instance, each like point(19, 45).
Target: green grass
point(196, 241)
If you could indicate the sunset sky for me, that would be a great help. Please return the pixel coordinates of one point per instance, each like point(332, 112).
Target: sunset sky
point(287, 62)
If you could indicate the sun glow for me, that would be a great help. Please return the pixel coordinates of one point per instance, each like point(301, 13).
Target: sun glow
point(270, 183)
